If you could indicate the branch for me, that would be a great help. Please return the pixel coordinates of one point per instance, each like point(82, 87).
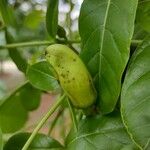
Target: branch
point(26, 44)
point(55, 120)
point(40, 43)
point(36, 43)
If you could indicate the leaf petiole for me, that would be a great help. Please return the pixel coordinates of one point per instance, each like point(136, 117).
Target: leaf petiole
point(73, 115)
point(55, 120)
point(44, 119)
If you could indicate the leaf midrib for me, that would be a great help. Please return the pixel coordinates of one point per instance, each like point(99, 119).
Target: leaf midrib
point(46, 74)
point(96, 133)
point(103, 35)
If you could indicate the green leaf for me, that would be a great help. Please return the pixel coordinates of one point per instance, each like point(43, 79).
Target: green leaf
point(15, 55)
point(30, 97)
point(1, 140)
point(143, 15)
point(135, 97)
point(12, 114)
point(52, 18)
point(7, 13)
point(40, 142)
point(100, 133)
point(41, 76)
point(106, 29)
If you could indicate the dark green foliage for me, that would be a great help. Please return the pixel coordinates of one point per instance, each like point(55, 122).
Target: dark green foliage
point(30, 97)
point(52, 18)
point(40, 142)
point(135, 98)
point(15, 54)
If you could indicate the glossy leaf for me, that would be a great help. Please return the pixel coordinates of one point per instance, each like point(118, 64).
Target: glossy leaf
point(143, 15)
point(16, 55)
point(106, 29)
point(1, 140)
point(41, 76)
point(100, 133)
point(135, 97)
point(30, 97)
point(52, 18)
point(40, 142)
point(12, 114)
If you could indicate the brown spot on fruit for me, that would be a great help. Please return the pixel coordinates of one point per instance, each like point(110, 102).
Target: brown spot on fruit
point(62, 75)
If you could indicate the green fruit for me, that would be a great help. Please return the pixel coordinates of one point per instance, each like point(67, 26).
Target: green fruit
point(72, 75)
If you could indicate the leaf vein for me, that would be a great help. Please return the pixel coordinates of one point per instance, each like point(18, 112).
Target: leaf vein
point(43, 73)
point(103, 34)
point(96, 132)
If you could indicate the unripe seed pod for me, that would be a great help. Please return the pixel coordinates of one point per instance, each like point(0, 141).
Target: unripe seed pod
point(72, 75)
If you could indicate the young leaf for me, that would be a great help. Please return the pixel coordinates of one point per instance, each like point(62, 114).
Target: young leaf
point(12, 114)
point(135, 97)
point(100, 133)
point(1, 140)
point(106, 29)
point(15, 55)
point(52, 18)
point(41, 76)
point(30, 97)
point(40, 142)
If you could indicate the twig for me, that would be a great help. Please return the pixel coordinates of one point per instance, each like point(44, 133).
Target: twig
point(55, 120)
point(40, 43)
point(44, 119)
point(73, 115)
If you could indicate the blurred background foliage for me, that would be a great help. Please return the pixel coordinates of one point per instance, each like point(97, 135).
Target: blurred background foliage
point(26, 22)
